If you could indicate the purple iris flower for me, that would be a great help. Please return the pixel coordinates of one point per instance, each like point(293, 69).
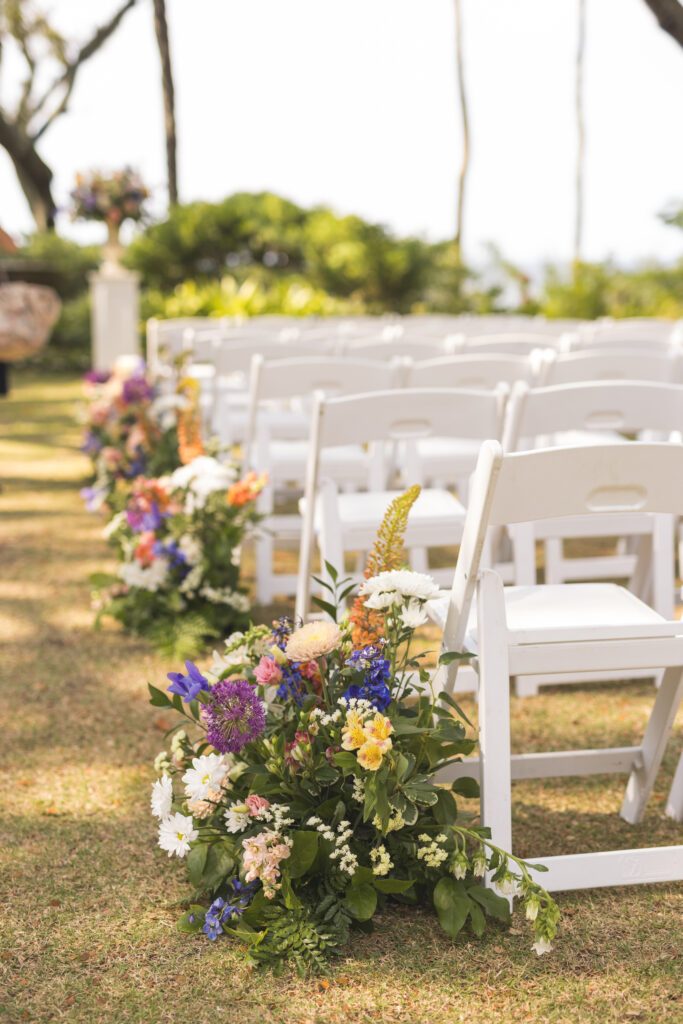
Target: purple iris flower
point(91, 444)
point(190, 685)
point(93, 497)
point(136, 468)
point(97, 376)
point(140, 520)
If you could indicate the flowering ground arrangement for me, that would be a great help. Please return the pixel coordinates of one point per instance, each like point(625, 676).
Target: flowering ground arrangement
point(178, 539)
point(100, 945)
point(130, 430)
point(302, 789)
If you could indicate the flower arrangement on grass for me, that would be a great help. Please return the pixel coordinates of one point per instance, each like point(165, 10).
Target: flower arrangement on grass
point(130, 430)
point(303, 788)
point(178, 539)
point(112, 198)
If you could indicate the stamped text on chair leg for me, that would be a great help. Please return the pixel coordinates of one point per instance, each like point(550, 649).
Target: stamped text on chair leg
point(641, 780)
point(494, 711)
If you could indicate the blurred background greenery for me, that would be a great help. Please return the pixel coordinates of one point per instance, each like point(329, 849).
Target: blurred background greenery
point(257, 253)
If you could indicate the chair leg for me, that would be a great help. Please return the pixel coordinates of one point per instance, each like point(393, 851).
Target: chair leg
point(657, 732)
point(494, 710)
point(674, 806)
point(264, 566)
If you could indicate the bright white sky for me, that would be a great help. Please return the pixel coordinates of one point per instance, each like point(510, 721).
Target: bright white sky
point(352, 103)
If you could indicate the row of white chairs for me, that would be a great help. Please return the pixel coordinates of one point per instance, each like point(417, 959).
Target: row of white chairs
point(225, 395)
point(168, 340)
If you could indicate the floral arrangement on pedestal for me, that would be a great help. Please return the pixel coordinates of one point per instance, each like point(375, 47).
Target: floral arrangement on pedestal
point(130, 430)
point(111, 198)
point(302, 787)
point(178, 539)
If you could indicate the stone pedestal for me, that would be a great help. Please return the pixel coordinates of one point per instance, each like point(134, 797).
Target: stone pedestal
point(115, 296)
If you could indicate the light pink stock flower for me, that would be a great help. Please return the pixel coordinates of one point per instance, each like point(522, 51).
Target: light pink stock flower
point(262, 856)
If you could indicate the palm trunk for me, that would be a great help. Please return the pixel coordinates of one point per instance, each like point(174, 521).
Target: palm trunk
point(580, 133)
point(464, 166)
point(161, 29)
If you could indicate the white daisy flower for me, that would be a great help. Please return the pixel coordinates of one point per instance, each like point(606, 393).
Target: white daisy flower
point(402, 581)
point(162, 797)
point(237, 817)
point(382, 599)
point(413, 615)
point(207, 772)
point(176, 833)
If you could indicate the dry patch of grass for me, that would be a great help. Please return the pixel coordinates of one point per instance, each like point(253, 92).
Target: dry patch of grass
point(88, 903)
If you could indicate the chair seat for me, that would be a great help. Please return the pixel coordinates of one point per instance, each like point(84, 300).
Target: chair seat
point(364, 511)
point(568, 612)
point(344, 462)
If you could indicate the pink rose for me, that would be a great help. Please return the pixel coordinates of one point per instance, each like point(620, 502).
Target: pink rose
point(268, 672)
point(256, 804)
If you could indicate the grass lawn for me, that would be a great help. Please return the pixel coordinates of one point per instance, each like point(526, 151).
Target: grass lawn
point(89, 903)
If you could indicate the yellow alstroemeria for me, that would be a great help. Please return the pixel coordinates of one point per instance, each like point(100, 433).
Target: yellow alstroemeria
point(370, 756)
point(353, 736)
point(379, 730)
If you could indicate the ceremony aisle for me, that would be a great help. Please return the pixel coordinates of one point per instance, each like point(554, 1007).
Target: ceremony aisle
point(89, 902)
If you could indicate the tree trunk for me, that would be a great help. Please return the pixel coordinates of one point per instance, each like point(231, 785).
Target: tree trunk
point(35, 177)
point(580, 132)
point(669, 14)
point(161, 29)
point(464, 166)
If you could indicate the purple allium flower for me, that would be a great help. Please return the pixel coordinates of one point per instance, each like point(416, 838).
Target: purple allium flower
point(137, 389)
point(235, 715)
point(190, 685)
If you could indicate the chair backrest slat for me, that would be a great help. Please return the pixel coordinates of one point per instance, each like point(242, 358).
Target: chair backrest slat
point(624, 406)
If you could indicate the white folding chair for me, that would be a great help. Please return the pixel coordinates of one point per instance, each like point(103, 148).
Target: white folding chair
point(510, 342)
point(596, 413)
point(618, 363)
point(278, 427)
point(449, 461)
point(568, 628)
point(349, 522)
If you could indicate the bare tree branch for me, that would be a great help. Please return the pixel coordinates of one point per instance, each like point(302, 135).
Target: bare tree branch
point(161, 29)
point(669, 14)
point(68, 78)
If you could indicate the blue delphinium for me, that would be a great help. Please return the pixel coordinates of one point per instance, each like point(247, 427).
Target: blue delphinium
point(375, 669)
point(222, 911)
point(292, 685)
point(171, 551)
point(190, 685)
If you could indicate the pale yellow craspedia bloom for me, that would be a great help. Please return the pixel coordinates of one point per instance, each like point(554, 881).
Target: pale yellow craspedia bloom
point(314, 640)
point(370, 756)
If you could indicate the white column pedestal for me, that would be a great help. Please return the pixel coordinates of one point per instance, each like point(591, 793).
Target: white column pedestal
point(115, 296)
